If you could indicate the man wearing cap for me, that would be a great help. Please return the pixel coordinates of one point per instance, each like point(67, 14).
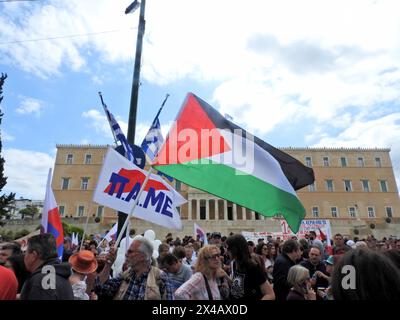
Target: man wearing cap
point(49, 277)
point(141, 281)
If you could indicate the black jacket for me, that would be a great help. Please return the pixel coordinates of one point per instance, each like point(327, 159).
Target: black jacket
point(34, 289)
point(321, 282)
point(281, 269)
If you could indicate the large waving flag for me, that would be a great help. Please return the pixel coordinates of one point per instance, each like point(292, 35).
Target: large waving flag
point(200, 232)
point(112, 234)
point(207, 151)
point(118, 187)
point(51, 220)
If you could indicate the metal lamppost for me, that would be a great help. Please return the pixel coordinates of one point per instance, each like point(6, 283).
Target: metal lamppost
point(135, 85)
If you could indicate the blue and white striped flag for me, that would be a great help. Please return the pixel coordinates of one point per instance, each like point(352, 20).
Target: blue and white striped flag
point(153, 140)
point(119, 135)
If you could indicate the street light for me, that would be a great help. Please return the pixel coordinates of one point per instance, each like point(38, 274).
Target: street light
point(135, 85)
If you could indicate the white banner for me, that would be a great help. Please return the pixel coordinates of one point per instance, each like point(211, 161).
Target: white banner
point(322, 228)
point(119, 184)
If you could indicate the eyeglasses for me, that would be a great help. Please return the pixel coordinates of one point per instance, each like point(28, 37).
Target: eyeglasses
point(214, 256)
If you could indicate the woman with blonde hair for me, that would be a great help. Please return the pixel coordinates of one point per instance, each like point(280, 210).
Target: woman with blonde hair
point(203, 284)
point(299, 278)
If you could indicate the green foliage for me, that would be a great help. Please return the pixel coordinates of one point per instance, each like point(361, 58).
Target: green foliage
point(30, 211)
point(6, 201)
point(69, 229)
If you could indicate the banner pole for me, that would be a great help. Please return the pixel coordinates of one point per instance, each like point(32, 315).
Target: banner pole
point(133, 208)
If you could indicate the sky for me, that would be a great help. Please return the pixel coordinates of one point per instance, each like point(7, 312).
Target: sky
point(294, 73)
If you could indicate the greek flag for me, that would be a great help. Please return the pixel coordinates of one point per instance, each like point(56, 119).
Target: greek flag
point(119, 135)
point(153, 140)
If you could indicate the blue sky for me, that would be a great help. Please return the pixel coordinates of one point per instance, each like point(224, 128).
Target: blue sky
point(295, 73)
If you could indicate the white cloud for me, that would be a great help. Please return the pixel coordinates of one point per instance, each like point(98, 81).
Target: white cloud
point(27, 172)
point(30, 105)
point(99, 122)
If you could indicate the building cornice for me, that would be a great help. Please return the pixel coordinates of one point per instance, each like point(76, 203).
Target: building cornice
point(83, 146)
point(332, 149)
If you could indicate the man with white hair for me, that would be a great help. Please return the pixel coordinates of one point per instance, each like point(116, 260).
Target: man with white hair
point(141, 281)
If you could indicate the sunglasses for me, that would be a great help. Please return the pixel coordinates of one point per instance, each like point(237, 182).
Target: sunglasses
point(214, 256)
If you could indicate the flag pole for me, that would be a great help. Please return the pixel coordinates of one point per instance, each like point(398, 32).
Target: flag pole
point(133, 208)
point(162, 106)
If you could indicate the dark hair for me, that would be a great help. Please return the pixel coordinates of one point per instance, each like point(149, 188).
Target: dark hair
point(179, 252)
point(169, 260)
point(394, 255)
point(290, 246)
point(18, 265)
point(260, 247)
point(45, 246)
point(377, 278)
point(15, 247)
point(238, 247)
point(316, 247)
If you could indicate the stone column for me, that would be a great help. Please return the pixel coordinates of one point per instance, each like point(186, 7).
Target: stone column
point(190, 209)
point(234, 211)
point(244, 213)
point(253, 215)
point(216, 207)
point(198, 209)
point(207, 209)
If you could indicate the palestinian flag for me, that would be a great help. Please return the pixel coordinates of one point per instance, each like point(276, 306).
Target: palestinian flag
point(210, 153)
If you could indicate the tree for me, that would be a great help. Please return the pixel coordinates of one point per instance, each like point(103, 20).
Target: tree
point(6, 201)
point(31, 211)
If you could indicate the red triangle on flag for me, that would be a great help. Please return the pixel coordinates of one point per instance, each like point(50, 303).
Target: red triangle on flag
point(193, 136)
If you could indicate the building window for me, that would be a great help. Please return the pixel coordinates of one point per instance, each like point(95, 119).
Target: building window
point(352, 212)
point(360, 161)
point(88, 159)
point(326, 161)
point(202, 213)
point(308, 162)
point(81, 210)
point(69, 159)
point(378, 163)
point(84, 183)
point(371, 212)
point(257, 216)
point(230, 213)
point(334, 212)
point(383, 185)
point(100, 211)
point(343, 162)
point(365, 185)
point(329, 185)
point(64, 183)
point(178, 186)
point(311, 187)
point(61, 210)
point(315, 212)
point(389, 212)
point(347, 185)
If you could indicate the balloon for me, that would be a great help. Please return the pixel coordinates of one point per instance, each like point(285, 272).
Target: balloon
point(138, 237)
point(157, 243)
point(150, 235)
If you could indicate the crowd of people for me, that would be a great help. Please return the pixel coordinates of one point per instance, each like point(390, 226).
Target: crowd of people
point(227, 268)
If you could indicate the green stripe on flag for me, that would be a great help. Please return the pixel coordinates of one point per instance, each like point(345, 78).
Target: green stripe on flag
point(240, 188)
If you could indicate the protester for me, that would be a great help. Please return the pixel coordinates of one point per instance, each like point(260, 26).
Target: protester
point(203, 284)
point(394, 255)
point(290, 254)
point(16, 263)
point(190, 256)
point(316, 268)
point(7, 250)
point(82, 263)
point(340, 247)
point(177, 272)
point(163, 250)
point(141, 281)
point(67, 252)
point(8, 284)
point(299, 279)
point(41, 261)
point(369, 276)
point(248, 279)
